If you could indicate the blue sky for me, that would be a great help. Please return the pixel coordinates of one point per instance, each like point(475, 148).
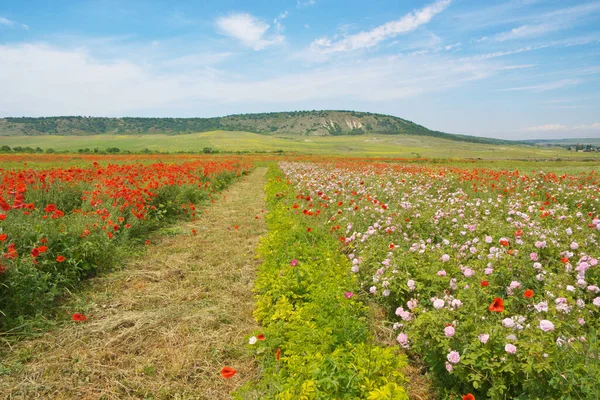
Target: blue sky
point(502, 68)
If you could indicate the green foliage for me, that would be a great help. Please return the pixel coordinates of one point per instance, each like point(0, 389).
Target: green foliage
point(30, 288)
point(324, 338)
point(209, 150)
point(335, 129)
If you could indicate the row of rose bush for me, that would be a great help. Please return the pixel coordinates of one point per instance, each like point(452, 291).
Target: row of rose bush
point(315, 342)
point(59, 226)
point(491, 277)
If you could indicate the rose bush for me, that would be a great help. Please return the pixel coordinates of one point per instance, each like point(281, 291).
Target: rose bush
point(490, 276)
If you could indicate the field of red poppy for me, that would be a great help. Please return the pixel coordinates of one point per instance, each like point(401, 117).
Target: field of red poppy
point(62, 224)
point(486, 277)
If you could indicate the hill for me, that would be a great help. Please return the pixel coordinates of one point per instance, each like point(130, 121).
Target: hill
point(308, 123)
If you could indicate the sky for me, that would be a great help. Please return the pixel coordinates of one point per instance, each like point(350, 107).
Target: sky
point(512, 69)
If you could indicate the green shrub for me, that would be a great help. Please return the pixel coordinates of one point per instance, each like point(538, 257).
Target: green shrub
point(323, 337)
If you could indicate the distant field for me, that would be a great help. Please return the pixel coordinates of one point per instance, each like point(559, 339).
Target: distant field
point(574, 141)
point(364, 145)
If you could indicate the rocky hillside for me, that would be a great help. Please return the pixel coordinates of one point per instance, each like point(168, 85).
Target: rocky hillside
point(312, 123)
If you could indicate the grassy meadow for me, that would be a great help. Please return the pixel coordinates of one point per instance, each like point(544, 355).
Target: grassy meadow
point(364, 145)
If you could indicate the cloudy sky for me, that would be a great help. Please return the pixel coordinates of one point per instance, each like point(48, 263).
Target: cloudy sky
point(501, 68)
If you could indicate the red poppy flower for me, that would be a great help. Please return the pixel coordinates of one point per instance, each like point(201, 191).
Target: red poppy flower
point(77, 317)
point(228, 372)
point(278, 354)
point(564, 260)
point(57, 214)
point(61, 258)
point(3, 237)
point(260, 337)
point(35, 252)
point(504, 242)
point(485, 283)
point(193, 232)
point(2, 217)
point(42, 249)
point(147, 242)
point(497, 305)
point(468, 396)
point(308, 229)
point(528, 293)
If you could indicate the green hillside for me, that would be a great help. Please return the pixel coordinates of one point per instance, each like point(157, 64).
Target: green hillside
point(306, 123)
point(409, 146)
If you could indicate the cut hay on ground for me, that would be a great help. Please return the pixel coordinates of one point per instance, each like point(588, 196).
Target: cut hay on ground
point(164, 326)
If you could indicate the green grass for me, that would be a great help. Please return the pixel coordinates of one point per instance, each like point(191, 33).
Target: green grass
point(364, 145)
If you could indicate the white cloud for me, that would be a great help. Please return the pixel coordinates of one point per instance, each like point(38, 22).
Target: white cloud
point(545, 86)
point(569, 42)
point(561, 127)
point(546, 128)
point(595, 125)
point(9, 23)
point(474, 18)
point(277, 20)
point(452, 46)
point(249, 30)
point(391, 29)
point(305, 3)
point(6, 22)
point(541, 24)
point(519, 12)
point(496, 54)
point(44, 80)
point(517, 66)
point(579, 10)
point(282, 16)
point(526, 31)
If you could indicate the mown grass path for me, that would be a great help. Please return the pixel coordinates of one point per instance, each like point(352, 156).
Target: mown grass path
point(164, 326)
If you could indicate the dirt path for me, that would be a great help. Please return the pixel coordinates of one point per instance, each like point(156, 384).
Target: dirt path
point(163, 327)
